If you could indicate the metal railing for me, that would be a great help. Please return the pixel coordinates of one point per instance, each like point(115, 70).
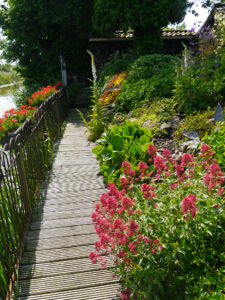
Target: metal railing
point(24, 162)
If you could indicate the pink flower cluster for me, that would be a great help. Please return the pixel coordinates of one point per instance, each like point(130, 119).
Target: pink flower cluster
point(115, 226)
point(189, 207)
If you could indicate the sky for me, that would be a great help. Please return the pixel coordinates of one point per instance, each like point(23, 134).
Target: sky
point(194, 22)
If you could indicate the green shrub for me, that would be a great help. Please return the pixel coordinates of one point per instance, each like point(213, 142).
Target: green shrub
point(201, 121)
point(216, 140)
point(21, 96)
point(122, 142)
point(117, 64)
point(149, 76)
point(166, 231)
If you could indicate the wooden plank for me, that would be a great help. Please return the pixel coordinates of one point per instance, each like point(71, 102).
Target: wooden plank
point(60, 268)
point(60, 254)
point(105, 292)
point(61, 242)
point(61, 283)
point(61, 223)
point(60, 232)
point(62, 214)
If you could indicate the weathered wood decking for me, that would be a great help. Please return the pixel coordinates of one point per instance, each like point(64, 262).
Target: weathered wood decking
point(55, 263)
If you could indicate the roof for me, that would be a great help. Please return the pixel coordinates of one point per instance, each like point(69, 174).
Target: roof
point(166, 34)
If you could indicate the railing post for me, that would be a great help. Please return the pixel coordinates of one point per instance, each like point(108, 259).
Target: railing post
point(23, 181)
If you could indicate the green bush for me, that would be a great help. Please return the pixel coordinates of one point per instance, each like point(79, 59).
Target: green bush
point(126, 142)
point(149, 76)
point(201, 121)
point(21, 96)
point(216, 140)
point(166, 231)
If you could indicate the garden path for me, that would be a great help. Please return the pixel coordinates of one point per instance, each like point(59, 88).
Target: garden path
point(55, 263)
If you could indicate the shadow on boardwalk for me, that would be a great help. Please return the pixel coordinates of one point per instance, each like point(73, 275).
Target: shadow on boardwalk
point(55, 263)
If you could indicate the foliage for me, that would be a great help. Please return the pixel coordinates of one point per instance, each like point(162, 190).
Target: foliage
point(194, 84)
point(21, 96)
point(118, 63)
point(112, 89)
point(164, 225)
point(200, 121)
point(146, 18)
point(216, 140)
point(14, 118)
point(152, 115)
point(149, 76)
point(8, 77)
point(122, 142)
point(38, 31)
point(95, 122)
point(36, 98)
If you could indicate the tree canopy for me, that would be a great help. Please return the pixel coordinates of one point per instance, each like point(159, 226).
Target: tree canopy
point(38, 31)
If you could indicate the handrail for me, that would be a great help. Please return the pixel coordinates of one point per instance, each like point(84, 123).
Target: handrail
point(24, 162)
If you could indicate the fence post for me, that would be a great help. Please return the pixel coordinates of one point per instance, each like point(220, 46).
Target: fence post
point(23, 181)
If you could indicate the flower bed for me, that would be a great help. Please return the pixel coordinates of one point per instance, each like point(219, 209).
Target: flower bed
point(164, 225)
point(14, 118)
point(112, 89)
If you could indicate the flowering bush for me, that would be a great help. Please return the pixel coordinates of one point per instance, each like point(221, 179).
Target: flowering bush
point(43, 94)
point(14, 118)
point(112, 89)
point(164, 224)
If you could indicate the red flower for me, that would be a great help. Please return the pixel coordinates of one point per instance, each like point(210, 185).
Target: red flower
point(13, 120)
point(2, 128)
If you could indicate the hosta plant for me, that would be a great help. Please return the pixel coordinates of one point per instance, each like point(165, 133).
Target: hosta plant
point(165, 226)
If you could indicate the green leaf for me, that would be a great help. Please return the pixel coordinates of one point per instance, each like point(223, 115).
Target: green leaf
point(117, 142)
point(97, 149)
point(106, 155)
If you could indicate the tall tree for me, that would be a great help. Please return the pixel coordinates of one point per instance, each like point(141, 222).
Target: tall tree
point(37, 31)
point(145, 17)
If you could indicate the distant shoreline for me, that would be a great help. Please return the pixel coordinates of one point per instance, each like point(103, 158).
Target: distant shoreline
point(10, 84)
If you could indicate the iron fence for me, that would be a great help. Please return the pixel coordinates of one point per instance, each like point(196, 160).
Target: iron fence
point(24, 162)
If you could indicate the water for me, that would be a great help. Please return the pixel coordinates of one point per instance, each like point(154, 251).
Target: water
point(6, 98)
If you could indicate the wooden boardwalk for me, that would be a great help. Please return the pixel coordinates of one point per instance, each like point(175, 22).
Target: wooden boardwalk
point(55, 263)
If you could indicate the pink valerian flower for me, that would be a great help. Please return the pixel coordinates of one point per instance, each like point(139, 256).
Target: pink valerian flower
point(132, 246)
point(126, 166)
point(206, 153)
point(179, 170)
point(167, 154)
point(152, 150)
point(187, 159)
point(220, 191)
point(173, 186)
point(132, 227)
point(188, 206)
point(93, 257)
point(159, 164)
point(124, 183)
point(126, 294)
point(149, 195)
point(213, 177)
point(142, 167)
point(127, 203)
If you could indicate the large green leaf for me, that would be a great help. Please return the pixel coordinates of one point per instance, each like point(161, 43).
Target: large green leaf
point(97, 149)
point(106, 155)
point(117, 142)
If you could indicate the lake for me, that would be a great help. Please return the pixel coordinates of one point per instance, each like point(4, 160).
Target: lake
point(6, 98)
